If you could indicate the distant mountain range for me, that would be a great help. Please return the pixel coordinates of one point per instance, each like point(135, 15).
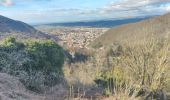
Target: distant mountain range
point(21, 30)
point(158, 27)
point(99, 23)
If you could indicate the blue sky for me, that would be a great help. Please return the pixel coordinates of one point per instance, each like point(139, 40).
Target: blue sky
point(46, 11)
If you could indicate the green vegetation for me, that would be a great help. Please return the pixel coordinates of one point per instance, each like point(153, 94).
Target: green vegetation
point(46, 56)
point(10, 44)
point(36, 64)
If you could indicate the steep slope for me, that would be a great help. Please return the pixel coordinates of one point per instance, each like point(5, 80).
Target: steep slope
point(157, 27)
point(9, 27)
point(12, 89)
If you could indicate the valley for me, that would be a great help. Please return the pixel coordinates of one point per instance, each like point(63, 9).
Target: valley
point(77, 56)
point(73, 37)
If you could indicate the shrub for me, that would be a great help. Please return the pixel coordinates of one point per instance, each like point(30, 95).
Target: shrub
point(45, 56)
point(47, 59)
point(36, 64)
point(10, 44)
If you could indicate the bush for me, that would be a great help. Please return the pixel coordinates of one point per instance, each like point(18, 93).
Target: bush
point(36, 64)
point(10, 44)
point(45, 56)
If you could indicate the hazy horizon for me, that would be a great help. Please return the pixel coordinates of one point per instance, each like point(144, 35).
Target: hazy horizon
point(59, 11)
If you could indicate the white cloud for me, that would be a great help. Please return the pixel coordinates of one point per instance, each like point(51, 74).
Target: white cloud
point(6, 2)
point(134, 8)
point(118, 9)
point(134, 4)
point(168, 8)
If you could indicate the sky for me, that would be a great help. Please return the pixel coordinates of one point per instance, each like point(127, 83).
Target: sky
point(50, 11)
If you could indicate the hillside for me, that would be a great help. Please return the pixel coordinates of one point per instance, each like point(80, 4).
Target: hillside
point(157, 26)
point(12, 89)
point(10, 27)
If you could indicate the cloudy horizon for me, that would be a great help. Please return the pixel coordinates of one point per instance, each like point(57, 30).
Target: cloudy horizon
point(47, 11)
